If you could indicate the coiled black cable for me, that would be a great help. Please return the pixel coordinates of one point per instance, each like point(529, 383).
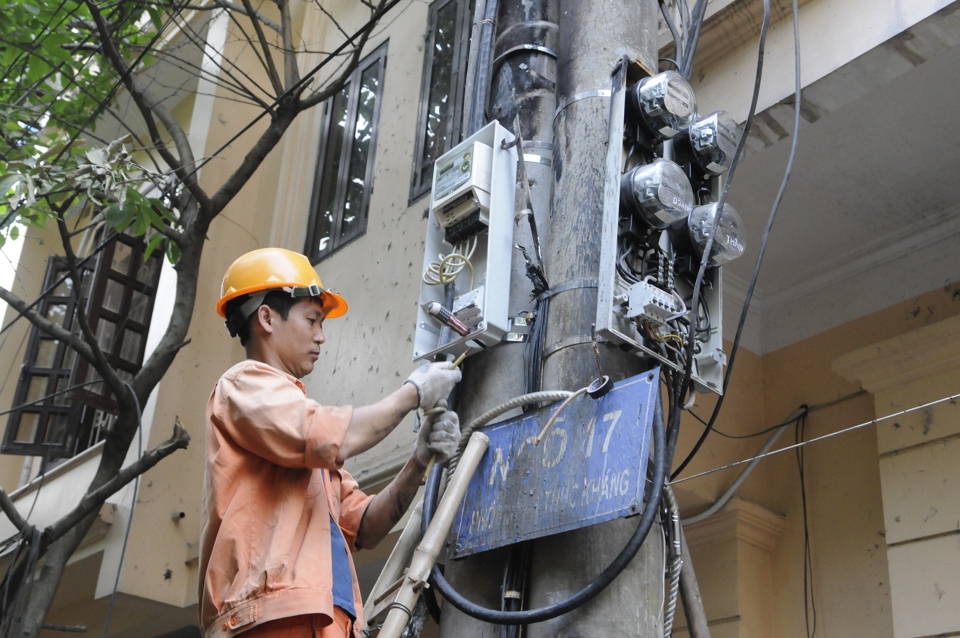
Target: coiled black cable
point(598, 584)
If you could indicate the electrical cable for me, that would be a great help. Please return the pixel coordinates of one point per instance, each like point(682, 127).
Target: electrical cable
point(597, 585)
point(772, 217)
point(448, 267)
point(677, 44)
point(693, 38)
point(924, 406)
point(810, 408)
point(808, 602)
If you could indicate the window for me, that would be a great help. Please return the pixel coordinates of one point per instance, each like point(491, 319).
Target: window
point(344, 182)
point(441, 97)
point(118, 288)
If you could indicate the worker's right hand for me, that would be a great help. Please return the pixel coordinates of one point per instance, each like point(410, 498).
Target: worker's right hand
point(439, 436)
point(434, 382)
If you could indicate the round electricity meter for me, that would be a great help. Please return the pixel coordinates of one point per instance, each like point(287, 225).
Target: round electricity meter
point(730, 237)
point(714, 141)
point(658, 192)
point(665, 103)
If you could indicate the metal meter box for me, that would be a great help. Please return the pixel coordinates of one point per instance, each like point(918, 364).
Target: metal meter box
point(472, 209)
point(619, 305)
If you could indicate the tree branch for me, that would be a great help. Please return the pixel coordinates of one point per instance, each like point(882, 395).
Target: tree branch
point(290, 68)
point(272, 72)
point(42, 323)
point(332, 89)
point(11, 511)
point(92, 500)
point(149, 105)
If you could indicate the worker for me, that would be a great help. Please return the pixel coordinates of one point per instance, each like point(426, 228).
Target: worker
point(281, 516)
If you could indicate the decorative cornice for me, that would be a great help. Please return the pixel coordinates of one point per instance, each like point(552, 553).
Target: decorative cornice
point(739, 520)
point(727, 25)
point(909, 357)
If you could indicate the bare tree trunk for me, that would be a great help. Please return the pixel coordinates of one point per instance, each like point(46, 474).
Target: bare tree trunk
point(46, 585)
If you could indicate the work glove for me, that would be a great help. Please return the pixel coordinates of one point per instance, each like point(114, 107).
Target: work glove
point(439, 434)
point(434, 382)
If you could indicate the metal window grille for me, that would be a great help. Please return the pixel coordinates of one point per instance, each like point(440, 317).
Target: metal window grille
point(344, 183)
point(441, 94)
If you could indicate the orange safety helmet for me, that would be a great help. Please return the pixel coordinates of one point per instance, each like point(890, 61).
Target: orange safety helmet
point(268, 269)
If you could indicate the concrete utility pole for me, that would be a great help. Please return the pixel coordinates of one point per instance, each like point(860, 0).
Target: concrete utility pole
point(589, 38)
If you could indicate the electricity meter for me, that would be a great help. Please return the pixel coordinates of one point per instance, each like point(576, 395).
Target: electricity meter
point(714, 141)
point(658, 192)
point(665, 103)
point(468, 247)
point(461, 190)
point(730, 237)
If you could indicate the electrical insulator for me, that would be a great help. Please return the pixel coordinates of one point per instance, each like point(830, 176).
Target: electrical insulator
point(730, 237)
point(665, 103)
point(713, 141)
point(658, 192)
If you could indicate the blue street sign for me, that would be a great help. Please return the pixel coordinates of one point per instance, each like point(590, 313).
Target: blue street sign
point(589, 468)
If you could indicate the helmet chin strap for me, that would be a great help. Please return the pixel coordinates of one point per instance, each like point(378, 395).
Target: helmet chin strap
point(239, 316)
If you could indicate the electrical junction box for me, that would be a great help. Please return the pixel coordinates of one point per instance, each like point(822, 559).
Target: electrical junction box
point(472, 205)
point(620, 305)
point(646, 301)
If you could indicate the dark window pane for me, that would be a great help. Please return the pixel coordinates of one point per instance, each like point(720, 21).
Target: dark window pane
point(122, 255)
point(147, 270)
point(327, 209)
point(69, 358)
point(62, 397)
point(57, 425)
point(131, 346)
point(363, 133)
point(105, 332)
point(438, 127)
point(56, 313)
point(138, 307)
point(47, 353)
point(113, 295)
point(27, 430)
point(37, 389)
point(64, 288)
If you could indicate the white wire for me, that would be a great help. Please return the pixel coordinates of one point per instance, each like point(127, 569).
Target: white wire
point(448, 267)
point(821, 438)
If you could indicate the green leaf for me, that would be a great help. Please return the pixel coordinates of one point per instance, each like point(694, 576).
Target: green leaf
point(155, 241)
point(7, 182)
point(155, 17)
point(14, 233)
point(114, 216)
point(173, 252)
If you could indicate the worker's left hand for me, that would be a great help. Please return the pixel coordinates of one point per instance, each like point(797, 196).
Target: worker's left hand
point(439, 434)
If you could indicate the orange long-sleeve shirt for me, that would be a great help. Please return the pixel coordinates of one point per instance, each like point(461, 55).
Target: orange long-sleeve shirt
point(270, 487)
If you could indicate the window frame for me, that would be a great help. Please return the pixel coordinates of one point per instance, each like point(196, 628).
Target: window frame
point(87, 409)
point(378, 57)
point(418, 187)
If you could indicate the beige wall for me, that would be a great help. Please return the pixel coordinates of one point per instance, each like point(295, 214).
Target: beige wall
point(848, 533)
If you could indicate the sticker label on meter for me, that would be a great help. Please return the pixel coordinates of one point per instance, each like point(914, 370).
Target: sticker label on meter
point(726, 139)
point(453, 173)
point(678, 100)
